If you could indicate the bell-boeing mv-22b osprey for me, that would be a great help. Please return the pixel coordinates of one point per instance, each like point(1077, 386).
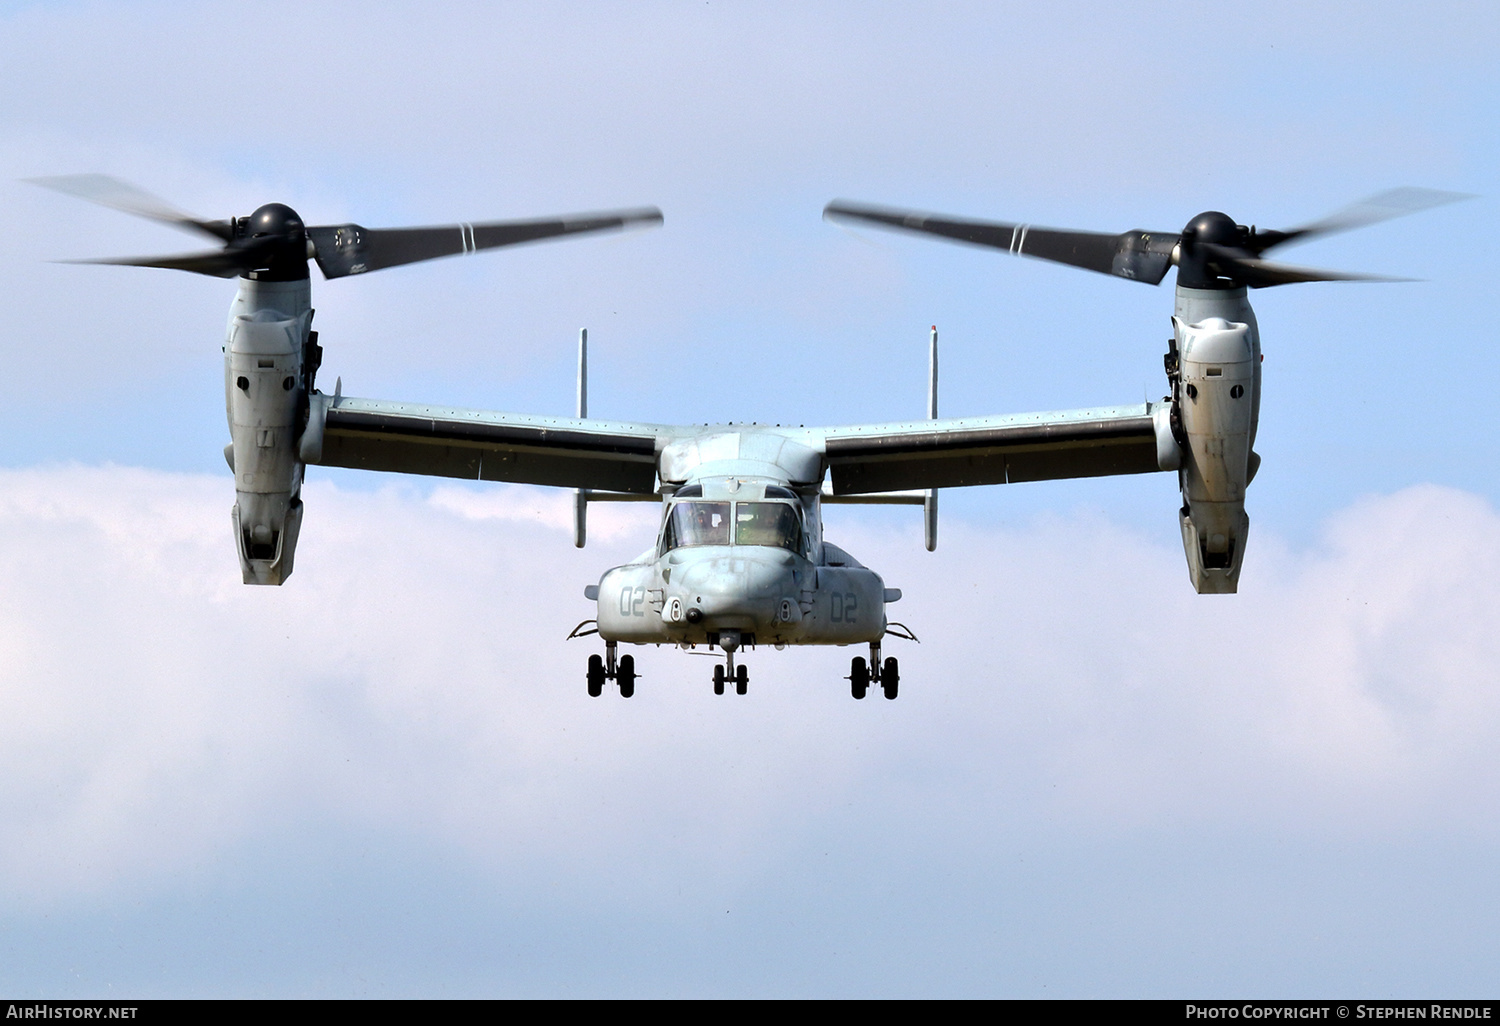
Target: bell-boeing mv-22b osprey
point(740, 559)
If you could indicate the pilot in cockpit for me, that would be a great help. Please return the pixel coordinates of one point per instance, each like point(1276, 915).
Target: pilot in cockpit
point(710, 523)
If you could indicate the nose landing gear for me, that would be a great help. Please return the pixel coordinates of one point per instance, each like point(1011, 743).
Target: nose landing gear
point(729, 641)
point(621, 671)
point(862, 674)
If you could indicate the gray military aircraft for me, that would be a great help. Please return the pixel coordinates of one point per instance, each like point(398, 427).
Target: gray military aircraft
point(739, 559)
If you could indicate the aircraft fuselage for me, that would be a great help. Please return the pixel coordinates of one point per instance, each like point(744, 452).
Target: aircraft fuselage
point(742, 559)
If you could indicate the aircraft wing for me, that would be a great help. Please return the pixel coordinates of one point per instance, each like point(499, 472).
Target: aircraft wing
point(412, 438)
point(994, 450)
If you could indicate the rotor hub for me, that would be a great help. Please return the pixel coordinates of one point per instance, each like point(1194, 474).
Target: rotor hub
point(1213, 227)
point(274, 220)
point(1202, 239)
point(277, 237)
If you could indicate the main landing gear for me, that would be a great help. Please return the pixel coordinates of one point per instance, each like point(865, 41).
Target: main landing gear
point(621, 671)
point(863, 674)
point(729, 673)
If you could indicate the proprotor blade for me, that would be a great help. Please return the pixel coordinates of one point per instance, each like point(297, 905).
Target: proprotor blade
point(1380, 207)
point(351, 249)
point(118, 195)
point(1136, 255)
point(1259, 274)
point(220, 263)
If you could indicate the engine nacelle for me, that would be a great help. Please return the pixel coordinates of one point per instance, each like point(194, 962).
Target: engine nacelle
point(265, 389)
point(1216, 401)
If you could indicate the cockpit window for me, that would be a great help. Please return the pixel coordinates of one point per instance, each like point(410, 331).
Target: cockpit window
point(753, 523)
point(767, 523)
point(697, 523)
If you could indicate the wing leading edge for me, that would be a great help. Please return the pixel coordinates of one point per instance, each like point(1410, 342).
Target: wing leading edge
point(618, 456)
point(993, 450)
point(411, 438)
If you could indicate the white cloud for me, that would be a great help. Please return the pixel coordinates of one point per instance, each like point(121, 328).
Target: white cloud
point(550, 507)
point(1352, 684)
point(412, 677)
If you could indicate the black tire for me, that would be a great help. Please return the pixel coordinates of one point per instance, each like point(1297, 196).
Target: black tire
point(595, 676)
point(625, 676)
point(741, 679)
point(859, 677)
point(890, 677)
point(718, 680)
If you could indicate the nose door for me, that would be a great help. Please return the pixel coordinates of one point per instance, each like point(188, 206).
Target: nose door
point(735, 589)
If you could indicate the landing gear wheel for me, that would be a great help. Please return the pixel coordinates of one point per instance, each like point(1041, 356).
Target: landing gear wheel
point(741, 679)
point(625, 677)
point(595, 676)
point(718, 680)
point(859, 677)
point(890, 677)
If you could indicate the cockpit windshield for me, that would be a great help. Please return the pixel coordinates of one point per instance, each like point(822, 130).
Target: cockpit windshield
point(751, 523)
point(767, 523)
point(697, 523)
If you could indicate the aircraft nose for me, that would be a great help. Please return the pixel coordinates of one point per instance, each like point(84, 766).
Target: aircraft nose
point(737, 592)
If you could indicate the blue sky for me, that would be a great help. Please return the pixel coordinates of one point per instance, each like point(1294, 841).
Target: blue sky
point(385, 778)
